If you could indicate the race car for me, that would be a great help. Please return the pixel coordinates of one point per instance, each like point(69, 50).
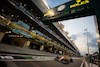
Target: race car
point(64, 59)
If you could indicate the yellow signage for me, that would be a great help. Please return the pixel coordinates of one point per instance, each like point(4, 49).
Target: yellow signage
point(50, 12)
point(79, 3)
point(47, 13)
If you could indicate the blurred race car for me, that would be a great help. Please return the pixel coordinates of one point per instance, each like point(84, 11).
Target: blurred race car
point(64, 59)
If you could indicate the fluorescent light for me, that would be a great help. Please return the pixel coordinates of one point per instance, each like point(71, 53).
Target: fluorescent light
point(46, 4)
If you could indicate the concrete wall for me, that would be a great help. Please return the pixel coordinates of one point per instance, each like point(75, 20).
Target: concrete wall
point(19, 41)
point(1, 35)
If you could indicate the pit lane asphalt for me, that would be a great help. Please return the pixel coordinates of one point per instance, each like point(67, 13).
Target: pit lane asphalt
point(75, 63)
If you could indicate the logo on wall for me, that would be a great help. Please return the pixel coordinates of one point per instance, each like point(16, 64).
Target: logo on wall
point(61, 7)
point(50, 12)
point(79, 3)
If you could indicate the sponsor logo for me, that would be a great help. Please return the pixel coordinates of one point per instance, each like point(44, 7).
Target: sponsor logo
point(79, 3)
point(61, 7)
point(48, 13)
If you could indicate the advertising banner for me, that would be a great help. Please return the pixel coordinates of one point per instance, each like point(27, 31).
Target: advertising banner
point(22, 24)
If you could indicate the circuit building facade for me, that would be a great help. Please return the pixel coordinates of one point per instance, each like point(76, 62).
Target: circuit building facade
point(20, 25)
